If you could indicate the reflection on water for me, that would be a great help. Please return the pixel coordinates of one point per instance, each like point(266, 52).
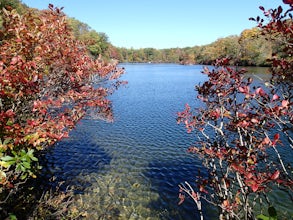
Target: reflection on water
point(130, 169)
point(258, 73)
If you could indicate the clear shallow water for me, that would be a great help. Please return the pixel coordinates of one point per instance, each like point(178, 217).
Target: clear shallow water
point(130, 169)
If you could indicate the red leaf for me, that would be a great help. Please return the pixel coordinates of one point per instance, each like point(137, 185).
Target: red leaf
point(254, 120)
point(244, 89)
point(266, 140)
point(275, 175)
point(226, 203)
point(35, 79)
point(249, 175)
point(241, 89)
point(243, 124)
point(9, 113)
point(254, 187)
point(181, 197)
point(288, 2)
point(209, 152)
point(14, 60)
point(275, 97)
point(285, 103)
point(202, 189)
point(276, 136)
point(280, 9)
point(260, 91)
point(242, 115)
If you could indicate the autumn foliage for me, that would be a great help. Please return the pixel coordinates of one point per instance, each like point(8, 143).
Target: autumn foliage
point(244, 131)
point(48, 82)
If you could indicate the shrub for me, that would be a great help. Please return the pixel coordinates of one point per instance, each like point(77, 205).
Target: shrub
point(48, 82)
point(244, 131)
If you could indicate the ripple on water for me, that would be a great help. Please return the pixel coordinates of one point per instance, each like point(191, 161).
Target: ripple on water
point(130, 169)
point(125, 176)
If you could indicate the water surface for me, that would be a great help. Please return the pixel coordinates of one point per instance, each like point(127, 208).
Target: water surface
point(131, 168)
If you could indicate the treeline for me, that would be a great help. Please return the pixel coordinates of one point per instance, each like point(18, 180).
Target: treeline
point(250, 48)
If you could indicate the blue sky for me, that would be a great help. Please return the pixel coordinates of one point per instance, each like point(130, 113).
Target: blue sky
point(162, 23)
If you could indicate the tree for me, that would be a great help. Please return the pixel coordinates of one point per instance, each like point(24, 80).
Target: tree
point(255, 49)
point(47, 84)
point(244, 132)
point(225, 47)
point(97, 43)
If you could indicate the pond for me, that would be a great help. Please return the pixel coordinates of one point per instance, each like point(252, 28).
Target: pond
point(131, 168)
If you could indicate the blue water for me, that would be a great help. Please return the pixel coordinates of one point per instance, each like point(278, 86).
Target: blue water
point(131, 168)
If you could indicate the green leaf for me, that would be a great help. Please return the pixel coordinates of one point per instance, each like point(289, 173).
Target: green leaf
point(6, 141)
point(12, 217)
point(27, 165)
point(272, 214)
point(4, 164)
point(9, 123)
point(23, 176)
point(30, 152)
point(7, 158)
point(27, 137)
point(34, 158)
point(23, 158)
point(20, 167)
point(262, 217)
point(23, 153)
point(11, 162)
point(14, 153)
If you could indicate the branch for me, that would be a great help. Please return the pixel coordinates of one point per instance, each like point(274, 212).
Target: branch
point(186, 187)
